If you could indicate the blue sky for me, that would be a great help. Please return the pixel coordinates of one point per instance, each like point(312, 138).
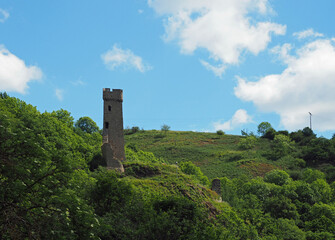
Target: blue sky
point(193, 64)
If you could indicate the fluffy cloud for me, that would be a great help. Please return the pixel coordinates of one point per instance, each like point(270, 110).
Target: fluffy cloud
point(225, 28)
point(119, 58)
point(306, 85)
point(14, 74)
point(3, 15)
point(307, 33)
point(240, 117)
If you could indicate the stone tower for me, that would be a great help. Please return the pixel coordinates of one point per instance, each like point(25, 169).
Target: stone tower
point(113, 141)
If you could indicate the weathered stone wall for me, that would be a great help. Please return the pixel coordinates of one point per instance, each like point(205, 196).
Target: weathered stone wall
point(216, 186)
point(113, 129)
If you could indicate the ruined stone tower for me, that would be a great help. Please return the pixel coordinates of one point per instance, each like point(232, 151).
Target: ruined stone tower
point(113, 141)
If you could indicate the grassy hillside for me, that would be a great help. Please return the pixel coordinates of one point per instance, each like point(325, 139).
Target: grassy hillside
point(216, 155)
point(53, 184)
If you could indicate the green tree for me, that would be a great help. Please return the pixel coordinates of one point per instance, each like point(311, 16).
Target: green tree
point(281, 146)
point(270, 134)
point(310, 175)
point(322, 190)
point(281, 207)
point(321, 218)
point(64, 116)
point(39, 155)
point(86, 124)
point(278, 177)
point(220, 132)
point(165, 128)
point(263, 127)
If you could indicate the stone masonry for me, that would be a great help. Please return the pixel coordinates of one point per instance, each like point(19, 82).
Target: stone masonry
point(216, 186)
point(113, 140)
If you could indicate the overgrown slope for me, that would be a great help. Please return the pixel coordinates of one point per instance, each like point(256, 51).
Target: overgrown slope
point(53, 184)
point(216, 155)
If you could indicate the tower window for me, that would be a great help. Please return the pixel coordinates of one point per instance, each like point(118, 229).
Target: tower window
point(106, 125)
point(109, 107)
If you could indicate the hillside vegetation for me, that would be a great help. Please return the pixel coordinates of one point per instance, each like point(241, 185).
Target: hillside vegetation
point(216, 155)
point(234, 156)
point(53, 184)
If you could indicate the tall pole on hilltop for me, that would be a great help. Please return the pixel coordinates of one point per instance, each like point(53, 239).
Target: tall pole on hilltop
point(310, 120)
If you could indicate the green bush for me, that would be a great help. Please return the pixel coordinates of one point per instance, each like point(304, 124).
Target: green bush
point(165, 128)
point(191, 169)
point(278, 177)
point(281, 146)
point(247, 143)
point(133, 154)
point(220, 132)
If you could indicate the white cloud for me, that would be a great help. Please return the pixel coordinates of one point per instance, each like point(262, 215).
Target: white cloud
point(307, 33)
point(225, 28)
point(217, 70)
point(119, 58)
point(283, 52)
point(14, 74)
point(306, 85)
point(3, 15)
point(59, 93)
point(240, 117)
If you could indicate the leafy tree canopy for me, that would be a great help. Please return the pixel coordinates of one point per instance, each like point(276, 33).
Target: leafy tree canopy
point(86, 124)
point(263, 127)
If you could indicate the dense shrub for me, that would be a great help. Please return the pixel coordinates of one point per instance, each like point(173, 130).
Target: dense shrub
point(191, 169)
point(278, 177)
point(247, 143)
point(220, 132)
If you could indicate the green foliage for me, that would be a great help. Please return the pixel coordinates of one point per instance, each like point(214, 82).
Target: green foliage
point(292, 163)
point(191, 169)
point(220, 132)
point(278, 177)
point(303, 137)
point(64, 116)
point(281, 146)
point(133, 130)
point(246, 133)
point(217, 156)
point(247, 143)
point(133, 154)
point(109, 192)
point(3, 95)
point(87, 125)
point(319, 150)
point(310, 175)
point(322, 190)
point(165, 128)
point(263, 127)
point(48, 192)
point(308, 132)
point(39, 155)
point(270, 134)
point(229, 190)
point(175, 218)
point(285, 229)
point(321, 218)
